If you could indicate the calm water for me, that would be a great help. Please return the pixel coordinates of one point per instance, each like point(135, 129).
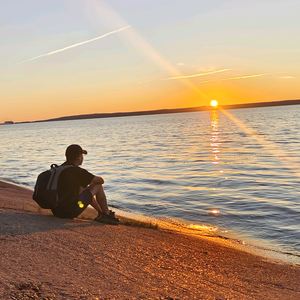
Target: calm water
point(200, 168)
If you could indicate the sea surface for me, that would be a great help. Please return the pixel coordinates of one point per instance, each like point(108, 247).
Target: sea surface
point(235, 171)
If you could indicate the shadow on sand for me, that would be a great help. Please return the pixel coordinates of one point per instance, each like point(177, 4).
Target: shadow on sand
point(22, 223)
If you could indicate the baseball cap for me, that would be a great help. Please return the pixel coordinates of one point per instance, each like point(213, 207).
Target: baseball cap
point(73, 151)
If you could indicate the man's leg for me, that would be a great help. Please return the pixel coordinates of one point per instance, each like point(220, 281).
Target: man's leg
point(99, 201)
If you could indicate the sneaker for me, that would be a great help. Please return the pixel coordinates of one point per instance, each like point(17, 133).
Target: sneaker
point(112, 214)
point(107, 219)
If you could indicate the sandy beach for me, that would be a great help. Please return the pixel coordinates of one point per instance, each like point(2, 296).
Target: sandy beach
point(43, 257)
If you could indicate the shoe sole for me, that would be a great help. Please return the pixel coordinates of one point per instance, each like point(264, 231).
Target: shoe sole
point(106, 221)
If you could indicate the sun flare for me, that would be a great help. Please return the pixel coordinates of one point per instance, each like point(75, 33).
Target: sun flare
point(214, 103)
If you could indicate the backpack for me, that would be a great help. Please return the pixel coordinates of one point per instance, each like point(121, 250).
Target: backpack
point(45, 190)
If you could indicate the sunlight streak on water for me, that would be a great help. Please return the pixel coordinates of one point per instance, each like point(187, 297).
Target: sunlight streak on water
point(290, 162)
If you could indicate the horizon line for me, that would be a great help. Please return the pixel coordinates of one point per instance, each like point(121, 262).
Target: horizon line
point(164, 111)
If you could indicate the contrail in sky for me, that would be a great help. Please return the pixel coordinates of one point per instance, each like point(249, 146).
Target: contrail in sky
point(196, 75)
point(247, 76)
point(236, 78)
point(75, 45)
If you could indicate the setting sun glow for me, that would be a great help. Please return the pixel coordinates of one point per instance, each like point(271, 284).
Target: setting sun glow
point(214, 103)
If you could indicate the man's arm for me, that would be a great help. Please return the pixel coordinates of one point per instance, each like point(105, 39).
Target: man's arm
point(98, 179)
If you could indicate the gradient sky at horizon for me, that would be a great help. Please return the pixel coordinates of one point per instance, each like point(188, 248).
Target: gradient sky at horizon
point(176, 53)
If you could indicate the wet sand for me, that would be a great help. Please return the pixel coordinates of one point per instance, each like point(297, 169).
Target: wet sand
point(43, 257)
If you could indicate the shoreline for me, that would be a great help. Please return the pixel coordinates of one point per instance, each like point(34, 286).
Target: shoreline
point(43, 256)
point(183, 227)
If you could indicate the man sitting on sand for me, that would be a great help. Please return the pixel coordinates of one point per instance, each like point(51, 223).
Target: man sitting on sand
point(77, 188)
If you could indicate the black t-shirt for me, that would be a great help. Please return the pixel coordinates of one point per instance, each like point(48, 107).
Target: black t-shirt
point(69, 182)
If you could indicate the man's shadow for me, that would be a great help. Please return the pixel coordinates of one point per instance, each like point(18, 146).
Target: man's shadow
point(14, 223)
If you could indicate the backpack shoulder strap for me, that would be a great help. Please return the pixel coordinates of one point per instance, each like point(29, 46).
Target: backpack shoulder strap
point(55, 172)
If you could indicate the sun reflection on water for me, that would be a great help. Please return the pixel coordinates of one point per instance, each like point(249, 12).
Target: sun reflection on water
point(215, 140)
point(215, 145)
point(203, 228)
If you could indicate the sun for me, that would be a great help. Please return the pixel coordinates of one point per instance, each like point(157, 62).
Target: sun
point(214, 103)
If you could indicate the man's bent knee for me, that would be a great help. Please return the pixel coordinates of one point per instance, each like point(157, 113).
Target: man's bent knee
point(94, 188)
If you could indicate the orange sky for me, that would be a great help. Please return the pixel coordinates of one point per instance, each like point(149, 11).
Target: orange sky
point(76, 57)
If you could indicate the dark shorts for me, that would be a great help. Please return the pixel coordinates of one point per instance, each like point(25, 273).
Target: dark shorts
point(76, 207)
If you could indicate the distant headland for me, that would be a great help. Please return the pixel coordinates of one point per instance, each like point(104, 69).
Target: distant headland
point(171, 111)
point(165, 111)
